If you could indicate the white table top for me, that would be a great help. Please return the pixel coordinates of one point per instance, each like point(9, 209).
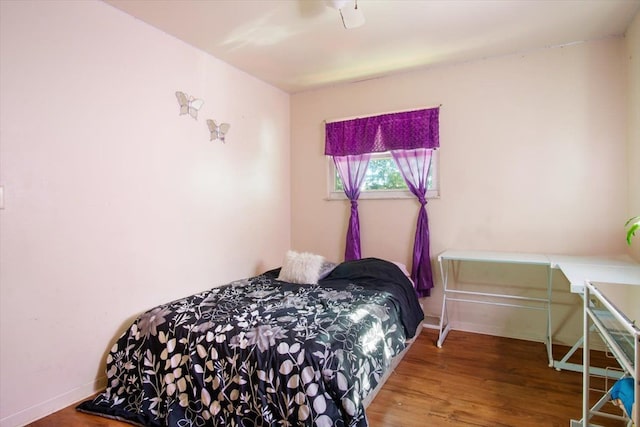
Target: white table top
point(596, 269)
point(577, 269)
point(489, 256)
point(556, 260)
point(579, 274)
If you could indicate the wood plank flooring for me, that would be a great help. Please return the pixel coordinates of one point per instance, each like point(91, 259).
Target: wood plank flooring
point(474, 380)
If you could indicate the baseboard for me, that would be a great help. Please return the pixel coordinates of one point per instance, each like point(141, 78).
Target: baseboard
point(52, 405)
point(501, 332)
point(431, 322)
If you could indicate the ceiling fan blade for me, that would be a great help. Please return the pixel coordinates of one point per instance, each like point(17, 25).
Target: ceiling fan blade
point(336, 4)
point(352, 17)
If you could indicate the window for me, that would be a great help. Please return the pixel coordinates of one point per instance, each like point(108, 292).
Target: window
point(383, 180)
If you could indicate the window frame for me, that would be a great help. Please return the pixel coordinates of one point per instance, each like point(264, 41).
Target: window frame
point(433, 193)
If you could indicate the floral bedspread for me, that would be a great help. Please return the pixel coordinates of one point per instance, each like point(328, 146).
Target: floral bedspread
point(261, 352)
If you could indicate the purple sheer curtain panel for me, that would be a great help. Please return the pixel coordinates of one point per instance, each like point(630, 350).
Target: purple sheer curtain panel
point(352, 170)
point(414, 166)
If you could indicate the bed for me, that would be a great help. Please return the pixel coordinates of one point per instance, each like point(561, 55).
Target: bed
point(264, 352)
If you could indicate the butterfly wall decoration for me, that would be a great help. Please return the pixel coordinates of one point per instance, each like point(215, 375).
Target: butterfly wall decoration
point(189, 104)
point(218, 131)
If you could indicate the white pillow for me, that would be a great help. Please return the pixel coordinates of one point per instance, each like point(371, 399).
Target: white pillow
point(301, 267)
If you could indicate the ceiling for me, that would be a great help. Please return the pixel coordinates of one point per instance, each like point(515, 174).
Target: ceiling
point(300, 45)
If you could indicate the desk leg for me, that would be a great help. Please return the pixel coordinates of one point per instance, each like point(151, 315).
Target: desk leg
point(586, 361)
point(549, 337)
point(636, 388)
point(564, 364)
point(444, 317)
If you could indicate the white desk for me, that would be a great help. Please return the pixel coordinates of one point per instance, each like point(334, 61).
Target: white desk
point(447, 258)
point(577, 269)
point(581, 270)
point(590, 277)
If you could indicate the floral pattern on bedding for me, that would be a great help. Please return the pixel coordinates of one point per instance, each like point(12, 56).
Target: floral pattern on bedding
point(256, 352)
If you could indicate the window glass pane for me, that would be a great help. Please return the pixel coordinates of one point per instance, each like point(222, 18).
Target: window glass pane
point(382, 174)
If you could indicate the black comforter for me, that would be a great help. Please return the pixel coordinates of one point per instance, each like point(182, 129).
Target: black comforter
point(261, 352)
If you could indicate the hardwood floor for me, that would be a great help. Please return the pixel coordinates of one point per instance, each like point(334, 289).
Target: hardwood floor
point(474, 380)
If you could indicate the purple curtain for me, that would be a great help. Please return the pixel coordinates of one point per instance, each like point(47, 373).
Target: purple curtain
point(414, 132)
point(386, 132)
point(414, 166)
point(352, 170)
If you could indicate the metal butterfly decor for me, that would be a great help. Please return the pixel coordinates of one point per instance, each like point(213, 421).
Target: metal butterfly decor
point(189, 104)
point(218, 131)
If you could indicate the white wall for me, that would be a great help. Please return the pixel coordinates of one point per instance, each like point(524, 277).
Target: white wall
point(114, 203)
point(633, 156)
point(532, 159)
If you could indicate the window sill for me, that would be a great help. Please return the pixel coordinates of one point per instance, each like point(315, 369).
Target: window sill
point(382, 195)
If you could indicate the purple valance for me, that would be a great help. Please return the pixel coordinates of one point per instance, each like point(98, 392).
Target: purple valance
point(394, 131)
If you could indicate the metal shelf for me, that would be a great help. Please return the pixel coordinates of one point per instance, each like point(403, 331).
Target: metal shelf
point(621, 336)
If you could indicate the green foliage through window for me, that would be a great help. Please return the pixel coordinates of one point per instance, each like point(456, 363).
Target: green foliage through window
point(382, 174)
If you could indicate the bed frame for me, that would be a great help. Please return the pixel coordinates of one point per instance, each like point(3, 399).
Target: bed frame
point(394, 364)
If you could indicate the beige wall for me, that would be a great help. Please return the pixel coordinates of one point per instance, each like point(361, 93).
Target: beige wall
point(633, 157)
point(113, 202)
point(532, 159)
